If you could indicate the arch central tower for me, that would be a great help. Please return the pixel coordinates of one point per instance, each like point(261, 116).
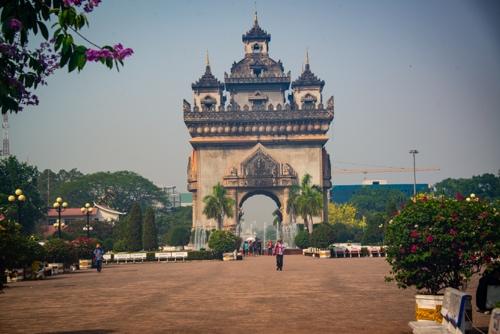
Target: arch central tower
point(258, 132)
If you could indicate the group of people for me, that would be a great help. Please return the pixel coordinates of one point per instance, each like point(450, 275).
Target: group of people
point(254, 247)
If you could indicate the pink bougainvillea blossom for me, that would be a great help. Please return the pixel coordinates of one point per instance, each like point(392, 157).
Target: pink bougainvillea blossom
point(413, 248)
point(429, 239)
point(15, 24)
point(414, 234)
point(118, 53)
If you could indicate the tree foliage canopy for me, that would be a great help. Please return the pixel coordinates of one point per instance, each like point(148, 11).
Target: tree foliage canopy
point(485, 186)
point(306, 201)
point(24, 66)
point(218, 205)
point(19, 175)
point(118, 190)
point(149, 233)
point(179, 236)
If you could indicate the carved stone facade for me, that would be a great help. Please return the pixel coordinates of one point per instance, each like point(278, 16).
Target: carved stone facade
point(262, 141)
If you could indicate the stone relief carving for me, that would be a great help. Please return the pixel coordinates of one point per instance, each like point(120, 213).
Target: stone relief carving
point(261, 170)
point(186, 106)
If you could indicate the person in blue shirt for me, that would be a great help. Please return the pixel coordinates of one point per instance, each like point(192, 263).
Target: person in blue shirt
point(98, 255)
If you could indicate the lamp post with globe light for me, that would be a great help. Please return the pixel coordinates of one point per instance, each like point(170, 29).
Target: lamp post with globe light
point(87, 210)
point(19, 198)
point(60, 206)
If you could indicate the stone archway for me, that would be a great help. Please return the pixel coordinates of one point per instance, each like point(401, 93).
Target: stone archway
point(260, 173)
point(247, 196)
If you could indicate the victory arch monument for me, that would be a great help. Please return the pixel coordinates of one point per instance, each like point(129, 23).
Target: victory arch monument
point(258, 133)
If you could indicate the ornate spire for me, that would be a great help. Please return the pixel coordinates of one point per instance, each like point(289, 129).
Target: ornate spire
point(256, 33)
point(207, 80)
point(307, 78)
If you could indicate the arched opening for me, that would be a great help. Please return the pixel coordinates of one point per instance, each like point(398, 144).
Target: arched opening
point(258, 211)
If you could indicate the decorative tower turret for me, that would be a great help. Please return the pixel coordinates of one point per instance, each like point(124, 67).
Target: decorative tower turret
point(207, 91)
point(307, 89)
point(257, 81)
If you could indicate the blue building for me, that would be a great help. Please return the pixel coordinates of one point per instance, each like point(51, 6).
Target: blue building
point(340, 194)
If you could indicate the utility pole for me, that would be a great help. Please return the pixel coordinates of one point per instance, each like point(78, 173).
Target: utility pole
point(413, 152)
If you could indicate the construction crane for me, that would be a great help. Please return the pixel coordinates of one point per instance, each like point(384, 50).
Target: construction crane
point(382, 170)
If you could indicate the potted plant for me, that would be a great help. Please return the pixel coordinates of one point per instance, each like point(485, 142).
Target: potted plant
point(439, 242)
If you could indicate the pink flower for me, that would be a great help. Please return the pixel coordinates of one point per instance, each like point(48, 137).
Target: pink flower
point(459, 197)
point(414, 234)
point(120, 52)
point(429, 239)
point(413, 248)
point(15, 24)
point(452, 232)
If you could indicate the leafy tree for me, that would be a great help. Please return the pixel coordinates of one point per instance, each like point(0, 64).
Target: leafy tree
point(59, 250)
point(302, 239)
point(133, 235)
point(345, 223)
point(84, 247)
point(322, 236)
point(218, 205)
point(181, 216)
point(345, 214)
point(308, 201)
point(149, 234)
point(485, 186)
point(25, 66)
point(179, 236)
point(377, 199)
point(118, 190)
point(223, 241)
point(50, 182)
point(19, 175)
point(16, 249)
point(374, 232)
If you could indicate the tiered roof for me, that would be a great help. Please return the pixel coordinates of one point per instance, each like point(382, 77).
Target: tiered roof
point(256, 33)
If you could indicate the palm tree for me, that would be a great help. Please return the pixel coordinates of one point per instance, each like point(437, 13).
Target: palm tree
point(309, 202)
point(218, 205)
point(277, 219)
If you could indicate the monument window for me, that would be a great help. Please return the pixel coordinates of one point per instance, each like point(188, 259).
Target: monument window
point(208, 103)
point(256, 48)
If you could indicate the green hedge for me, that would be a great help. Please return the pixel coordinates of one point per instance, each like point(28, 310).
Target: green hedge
point(203, 255)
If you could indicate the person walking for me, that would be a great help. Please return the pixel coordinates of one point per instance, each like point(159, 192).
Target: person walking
point(245, 248)
point(98, 255)
point(279, 251)
point(269, 247)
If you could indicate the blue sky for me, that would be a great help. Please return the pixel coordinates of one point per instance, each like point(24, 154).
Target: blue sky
point(405, 74)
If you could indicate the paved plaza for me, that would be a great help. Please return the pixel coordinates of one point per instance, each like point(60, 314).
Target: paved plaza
point(309, 296)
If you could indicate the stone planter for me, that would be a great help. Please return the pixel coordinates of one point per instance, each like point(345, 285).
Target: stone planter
point(229, 256)
point(428, 307)
point(325, 254)
point(85, 264)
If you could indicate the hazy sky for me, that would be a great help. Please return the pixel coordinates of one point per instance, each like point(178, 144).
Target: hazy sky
point(405, 74)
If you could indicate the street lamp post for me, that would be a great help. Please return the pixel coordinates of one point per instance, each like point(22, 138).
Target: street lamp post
point(19, 198)
point(413, 152)
point(87, 209)
point(60, 206)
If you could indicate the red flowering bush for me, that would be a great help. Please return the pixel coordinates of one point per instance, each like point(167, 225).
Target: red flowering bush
point(435, 243)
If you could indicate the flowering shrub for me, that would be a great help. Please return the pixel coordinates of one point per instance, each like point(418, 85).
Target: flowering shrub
point(435, 243)
point(84, 247)
point(23, 67)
